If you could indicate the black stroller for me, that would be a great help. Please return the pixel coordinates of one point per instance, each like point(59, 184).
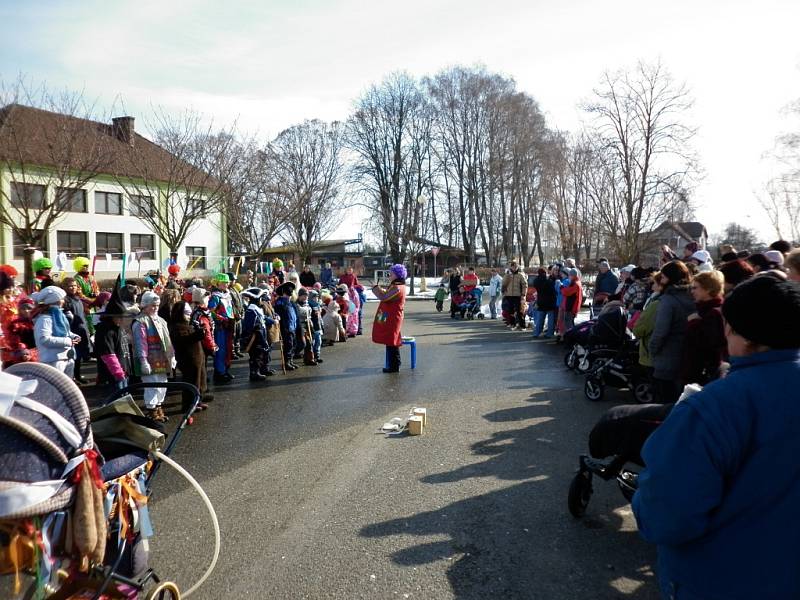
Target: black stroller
point(615, 441)
point(74, 489)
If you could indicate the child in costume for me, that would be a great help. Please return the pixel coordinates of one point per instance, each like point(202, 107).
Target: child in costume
point(316, 324)
point(87, 286)
point(76, 315)
point(288, 322)
point(255, 327)
point(362, 300)
point(112, 342)
point(332, 329)
point(354, 307)
point(440, 297)
point(41, 274)
point(235, 290)
point(305, 338)
point(343, 301)
point(54, 340)
point(187, 339)
point(154, 356)
point(278, 275)
point(221, 306)
point(389, 317)
point(19, 343)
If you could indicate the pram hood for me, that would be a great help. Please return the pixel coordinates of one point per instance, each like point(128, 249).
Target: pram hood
point(44, 429)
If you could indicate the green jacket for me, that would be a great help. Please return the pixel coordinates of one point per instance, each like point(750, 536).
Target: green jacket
point(644, 329)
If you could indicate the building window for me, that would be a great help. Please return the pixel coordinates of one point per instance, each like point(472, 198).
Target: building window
point(109, 243)
point(27, 195)
point(140, 206)
point(40, 242)
point(196, 253)
point(144, 242)
point(107, 203)
point(72, 242)
point(72, 199)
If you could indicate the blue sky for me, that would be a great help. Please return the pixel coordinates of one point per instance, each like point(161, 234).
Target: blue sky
point(267, 64)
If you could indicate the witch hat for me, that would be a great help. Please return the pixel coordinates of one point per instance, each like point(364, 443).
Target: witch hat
point(116, 307)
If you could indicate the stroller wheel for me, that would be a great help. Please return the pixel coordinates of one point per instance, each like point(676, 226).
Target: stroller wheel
point(580, 492)
point(480, 316)
point(642, 391)
point(593, 389)
point(571, 359)
point(166, 590)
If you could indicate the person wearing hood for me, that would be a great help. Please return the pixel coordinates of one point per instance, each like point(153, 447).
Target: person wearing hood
point(702, 259)
point(669, 332)
point(154, 355)
point(332, 327)
point(720, 492)
point(75, 311)
point(187, 339)
point(388, 323)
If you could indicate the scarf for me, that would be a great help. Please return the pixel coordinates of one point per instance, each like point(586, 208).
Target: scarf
point(60, 323)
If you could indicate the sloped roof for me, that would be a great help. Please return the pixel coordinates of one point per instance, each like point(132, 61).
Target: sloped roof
point(28, 135)
point(691, 230)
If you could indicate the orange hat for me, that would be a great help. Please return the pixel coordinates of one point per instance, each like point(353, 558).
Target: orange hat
point(173, 269)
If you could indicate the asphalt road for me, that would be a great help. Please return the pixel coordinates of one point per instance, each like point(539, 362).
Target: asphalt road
point(313, 503)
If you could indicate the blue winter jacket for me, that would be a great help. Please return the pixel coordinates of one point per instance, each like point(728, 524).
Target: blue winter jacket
point(721, 492)
point(606, 283)
point(286, 311)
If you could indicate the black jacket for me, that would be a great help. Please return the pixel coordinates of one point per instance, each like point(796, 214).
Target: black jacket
point(545, 293)
point(307, 279)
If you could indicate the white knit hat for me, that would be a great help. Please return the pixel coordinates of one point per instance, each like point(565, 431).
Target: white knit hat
point(50, 295)
point(149, 298)
point(774, 256)
point(702, 256)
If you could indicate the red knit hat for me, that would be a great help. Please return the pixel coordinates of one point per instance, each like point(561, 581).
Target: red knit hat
point(173, 269)
point(9, 270)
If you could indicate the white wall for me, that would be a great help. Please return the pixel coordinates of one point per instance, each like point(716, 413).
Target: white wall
point(207, 234)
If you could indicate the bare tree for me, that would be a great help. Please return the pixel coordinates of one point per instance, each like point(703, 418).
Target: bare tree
point(388, 157)
point(183, 178)
point(643, 147)
point(255, 212)
point(51, 146)
point(307, 169)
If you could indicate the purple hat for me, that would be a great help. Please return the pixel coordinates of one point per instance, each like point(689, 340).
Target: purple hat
point(399, 271)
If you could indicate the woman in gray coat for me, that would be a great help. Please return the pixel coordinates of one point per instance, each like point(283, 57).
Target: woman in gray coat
point(669, 332)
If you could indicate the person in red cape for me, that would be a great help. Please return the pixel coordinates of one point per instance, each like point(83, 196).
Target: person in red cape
point(389, 317)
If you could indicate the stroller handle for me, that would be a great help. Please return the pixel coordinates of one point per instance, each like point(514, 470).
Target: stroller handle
point(170, 386)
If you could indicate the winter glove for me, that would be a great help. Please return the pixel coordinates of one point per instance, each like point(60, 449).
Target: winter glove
point(145, 367)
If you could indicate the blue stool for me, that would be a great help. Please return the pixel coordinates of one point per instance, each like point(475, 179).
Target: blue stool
point(407, 341)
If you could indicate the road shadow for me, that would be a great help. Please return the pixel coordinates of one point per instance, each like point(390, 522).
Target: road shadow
point(516, 541)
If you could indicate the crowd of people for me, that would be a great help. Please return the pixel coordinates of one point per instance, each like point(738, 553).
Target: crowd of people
point(163, 326)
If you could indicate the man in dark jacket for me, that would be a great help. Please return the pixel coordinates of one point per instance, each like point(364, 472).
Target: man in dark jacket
point(545, 304)
point(307, 278)
point(722, 485)
point(605, 284)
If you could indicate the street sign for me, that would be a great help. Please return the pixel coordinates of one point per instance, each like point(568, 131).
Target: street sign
point(435, 250)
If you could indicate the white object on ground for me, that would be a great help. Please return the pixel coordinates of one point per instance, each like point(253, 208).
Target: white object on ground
point(213, 514)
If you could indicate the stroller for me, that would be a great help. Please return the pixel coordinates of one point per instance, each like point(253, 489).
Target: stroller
point(470, 307)
point(616, 440)
point(74, 490)
point(596, 340)
point(619, 370)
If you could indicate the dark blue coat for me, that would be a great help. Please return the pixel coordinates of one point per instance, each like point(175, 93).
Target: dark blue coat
point(721, 491)
point(606, 283)
point(284, 307)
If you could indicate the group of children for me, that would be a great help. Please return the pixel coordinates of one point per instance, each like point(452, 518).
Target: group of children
point(170, 326)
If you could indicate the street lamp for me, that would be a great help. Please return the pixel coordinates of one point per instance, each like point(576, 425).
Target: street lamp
point(421, 200)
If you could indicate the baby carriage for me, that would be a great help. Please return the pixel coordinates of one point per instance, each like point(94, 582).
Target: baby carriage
point(470, 307)
point(74, 520)
point(620, 370)
point(616, 440)
point(596, 340)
